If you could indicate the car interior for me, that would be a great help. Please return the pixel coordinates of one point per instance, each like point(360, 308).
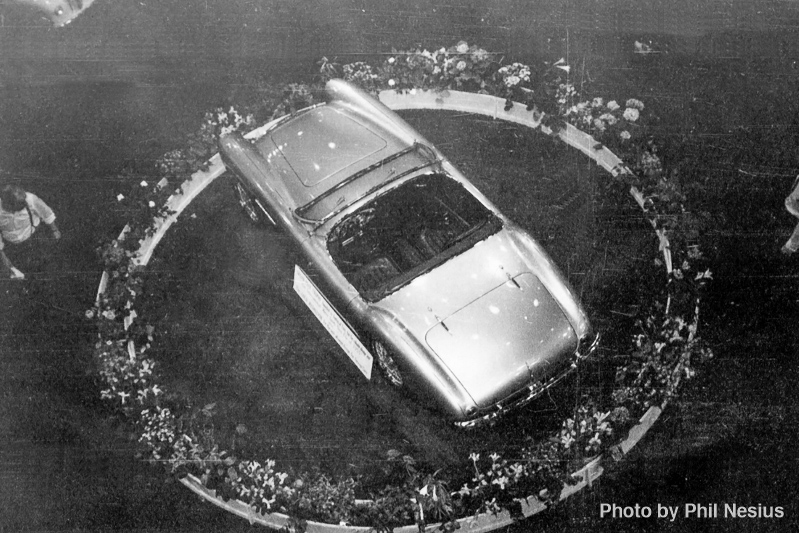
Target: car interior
point(405, 232)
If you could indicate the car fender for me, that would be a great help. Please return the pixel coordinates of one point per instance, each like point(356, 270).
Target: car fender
point(260, 179)
point(433, 378)
point(345, 93)
point(549, 274)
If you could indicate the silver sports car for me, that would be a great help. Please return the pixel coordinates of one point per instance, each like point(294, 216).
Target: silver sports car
point(405, 262)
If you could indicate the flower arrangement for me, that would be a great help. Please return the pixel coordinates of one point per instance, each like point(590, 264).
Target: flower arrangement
point(201, 145)
point(461, 67)
point(609, 122)
point(665, 352)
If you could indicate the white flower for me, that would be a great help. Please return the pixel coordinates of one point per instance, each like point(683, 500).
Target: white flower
point(89, 313)
point(462, 47)
point(612, 105)
point(510, 81)
point(109, 314)
point(566, 90)
point(479, 55)
point(391, 60)
point(501, 481)
point(120, 197)
point(625, 135)
point(610, 119)
point(704, 275)
point(436, 69)
point(599, 124)
point(391, 83)
point(597, 102)
point(631, 114)
point(637, 104)
point(143, 184)
point(151, 203)
point(561, 64)
point(461, 65)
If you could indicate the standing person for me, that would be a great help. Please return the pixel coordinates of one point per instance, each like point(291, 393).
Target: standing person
point(792, 205)
point(21, 213)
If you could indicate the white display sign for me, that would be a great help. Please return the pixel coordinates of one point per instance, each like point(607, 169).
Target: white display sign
point(332, 322)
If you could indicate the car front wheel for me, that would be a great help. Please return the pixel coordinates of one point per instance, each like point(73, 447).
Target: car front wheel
point(248, 204)
point(388, 367)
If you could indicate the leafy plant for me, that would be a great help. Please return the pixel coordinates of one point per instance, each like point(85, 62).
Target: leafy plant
point(666, 353)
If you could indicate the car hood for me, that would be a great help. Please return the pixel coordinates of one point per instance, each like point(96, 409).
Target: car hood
point(492, 321)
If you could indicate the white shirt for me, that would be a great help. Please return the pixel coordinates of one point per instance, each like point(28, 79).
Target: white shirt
point(18, 227)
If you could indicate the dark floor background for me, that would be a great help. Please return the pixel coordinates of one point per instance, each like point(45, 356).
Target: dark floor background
point(188, 40)
point(123, 83)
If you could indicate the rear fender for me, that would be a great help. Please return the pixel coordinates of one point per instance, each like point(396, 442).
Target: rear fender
point(365, 104)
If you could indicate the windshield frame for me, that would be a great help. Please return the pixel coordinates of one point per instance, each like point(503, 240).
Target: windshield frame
point(421, 148)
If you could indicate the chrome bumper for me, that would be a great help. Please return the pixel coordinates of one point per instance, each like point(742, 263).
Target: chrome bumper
point(520, 398)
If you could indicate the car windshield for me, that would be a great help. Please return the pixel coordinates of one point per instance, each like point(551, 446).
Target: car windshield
point(406, 232)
